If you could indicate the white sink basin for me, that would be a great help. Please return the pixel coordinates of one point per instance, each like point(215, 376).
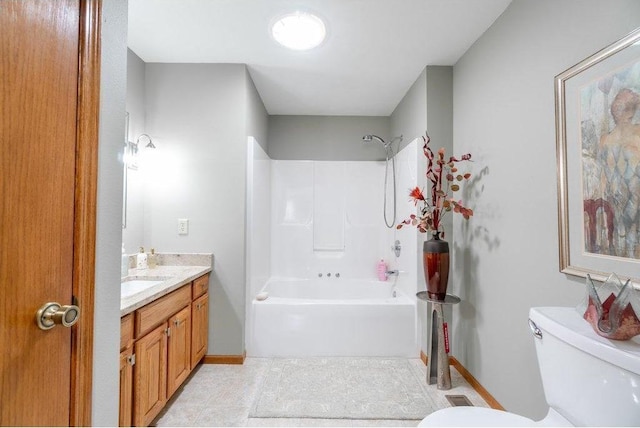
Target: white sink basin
point(135, 286)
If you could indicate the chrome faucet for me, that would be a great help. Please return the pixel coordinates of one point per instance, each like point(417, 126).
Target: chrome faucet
point(392, 272)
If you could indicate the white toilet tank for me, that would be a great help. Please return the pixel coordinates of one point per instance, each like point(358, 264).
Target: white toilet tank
point(590, 380)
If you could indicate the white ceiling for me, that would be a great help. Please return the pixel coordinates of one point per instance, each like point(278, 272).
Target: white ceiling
point(374, 51)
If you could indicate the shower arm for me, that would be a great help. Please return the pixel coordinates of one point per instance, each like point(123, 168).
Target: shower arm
point(386, 144)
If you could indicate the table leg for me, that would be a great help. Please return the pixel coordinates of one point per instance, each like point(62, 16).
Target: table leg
point(438, 361)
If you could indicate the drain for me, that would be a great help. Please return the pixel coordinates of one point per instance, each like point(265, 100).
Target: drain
point(458, 400)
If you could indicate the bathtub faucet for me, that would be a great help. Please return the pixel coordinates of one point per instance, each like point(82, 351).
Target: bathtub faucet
point(392, 272)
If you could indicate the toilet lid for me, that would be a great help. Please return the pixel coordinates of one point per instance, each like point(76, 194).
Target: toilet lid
point(474, 416)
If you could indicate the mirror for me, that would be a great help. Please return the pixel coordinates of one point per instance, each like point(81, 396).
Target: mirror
point(130, 162)
point(124, 176)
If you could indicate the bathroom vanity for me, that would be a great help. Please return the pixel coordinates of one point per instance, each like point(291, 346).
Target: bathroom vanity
point(164, 331)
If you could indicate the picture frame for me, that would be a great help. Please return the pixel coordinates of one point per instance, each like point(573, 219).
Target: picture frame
point(597, 109)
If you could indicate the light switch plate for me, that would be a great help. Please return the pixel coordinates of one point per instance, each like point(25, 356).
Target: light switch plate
point(183, 226)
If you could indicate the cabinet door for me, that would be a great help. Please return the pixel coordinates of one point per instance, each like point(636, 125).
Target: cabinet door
point(150, 376)
point(179, 350)
point(126, 387)
point(200, 329)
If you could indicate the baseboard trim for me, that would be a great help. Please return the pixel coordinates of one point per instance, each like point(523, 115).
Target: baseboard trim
point(491, 401)
point(224, 359)
point(423, 357)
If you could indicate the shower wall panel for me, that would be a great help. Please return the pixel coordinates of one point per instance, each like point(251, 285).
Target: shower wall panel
point(348, 239)
point(328, 206)
point(327, 217)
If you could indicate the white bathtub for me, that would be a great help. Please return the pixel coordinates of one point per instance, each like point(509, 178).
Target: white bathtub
point(333, 317)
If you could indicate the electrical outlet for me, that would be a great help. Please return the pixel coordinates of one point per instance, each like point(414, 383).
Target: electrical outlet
point(183, 226)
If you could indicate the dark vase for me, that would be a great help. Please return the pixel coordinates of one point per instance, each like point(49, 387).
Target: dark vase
point(436, 266)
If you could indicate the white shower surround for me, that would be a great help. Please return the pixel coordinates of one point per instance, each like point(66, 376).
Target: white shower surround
point(288, 242)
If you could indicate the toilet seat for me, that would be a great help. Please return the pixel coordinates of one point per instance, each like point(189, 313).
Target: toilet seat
point(474, 416)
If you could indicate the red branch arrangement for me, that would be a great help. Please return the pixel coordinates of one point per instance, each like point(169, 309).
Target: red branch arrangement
point(444, 178)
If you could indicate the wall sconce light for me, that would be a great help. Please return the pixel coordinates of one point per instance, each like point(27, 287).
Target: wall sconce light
point(147, 138)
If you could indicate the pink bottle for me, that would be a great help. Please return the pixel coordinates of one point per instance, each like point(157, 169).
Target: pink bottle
point(381, 269)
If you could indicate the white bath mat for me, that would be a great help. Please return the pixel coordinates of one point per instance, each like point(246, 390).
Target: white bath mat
point(354, 388)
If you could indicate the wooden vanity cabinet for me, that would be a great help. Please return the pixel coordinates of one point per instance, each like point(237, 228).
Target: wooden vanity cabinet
point(164, 358)
point(153, 331)
point(164, 339)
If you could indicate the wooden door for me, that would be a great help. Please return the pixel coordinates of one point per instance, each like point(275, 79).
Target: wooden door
point(179, 350)
point(150, 376)
point(199, 329)
point(126, 387)
point(48, 137)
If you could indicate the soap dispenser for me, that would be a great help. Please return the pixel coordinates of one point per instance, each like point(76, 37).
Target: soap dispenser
point(124, 266)
point(141, 259)
point(153, 259)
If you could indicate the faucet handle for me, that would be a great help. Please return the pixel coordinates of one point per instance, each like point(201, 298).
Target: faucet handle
point(396, 248)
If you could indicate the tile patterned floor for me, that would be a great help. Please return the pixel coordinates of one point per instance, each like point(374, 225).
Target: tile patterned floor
point(223, 395)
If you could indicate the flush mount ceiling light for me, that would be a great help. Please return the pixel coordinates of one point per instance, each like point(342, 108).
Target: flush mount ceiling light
point(299, 31)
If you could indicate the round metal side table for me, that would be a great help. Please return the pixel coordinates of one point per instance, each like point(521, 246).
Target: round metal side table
point(438, 370)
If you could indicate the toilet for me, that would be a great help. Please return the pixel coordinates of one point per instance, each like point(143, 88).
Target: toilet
point(588, 380)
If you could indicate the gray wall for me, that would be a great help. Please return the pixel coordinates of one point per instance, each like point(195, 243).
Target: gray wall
point(106, 348)
point(257, 117)
point(326, 137)
point(200, 116)
point(427, 106)
point(440, 122)
point(409, 118)
point(440, 107)
point(506, 256)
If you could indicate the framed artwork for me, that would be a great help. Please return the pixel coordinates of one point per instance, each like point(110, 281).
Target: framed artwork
point(598, 155)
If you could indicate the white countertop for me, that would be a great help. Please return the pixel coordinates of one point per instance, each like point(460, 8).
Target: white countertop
point(177, 276)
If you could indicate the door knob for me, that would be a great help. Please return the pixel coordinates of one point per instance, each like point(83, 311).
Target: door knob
point(52, 313)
